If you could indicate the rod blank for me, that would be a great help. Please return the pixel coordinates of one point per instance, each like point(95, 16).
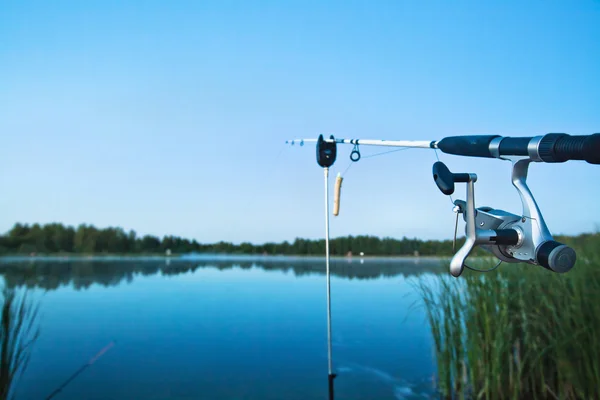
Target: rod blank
point(420, 144)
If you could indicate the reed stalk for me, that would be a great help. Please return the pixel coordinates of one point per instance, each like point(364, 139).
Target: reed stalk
point(18, 333)
point(520, 332)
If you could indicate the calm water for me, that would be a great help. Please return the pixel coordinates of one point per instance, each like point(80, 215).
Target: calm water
point(225, 329)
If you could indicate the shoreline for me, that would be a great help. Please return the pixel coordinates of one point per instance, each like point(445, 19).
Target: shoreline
point(199, 257)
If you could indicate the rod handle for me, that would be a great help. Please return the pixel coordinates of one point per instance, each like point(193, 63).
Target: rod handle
point(560, 147)
point(550, 148)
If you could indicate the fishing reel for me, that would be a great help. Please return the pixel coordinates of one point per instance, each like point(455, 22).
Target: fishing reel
point(509, 237)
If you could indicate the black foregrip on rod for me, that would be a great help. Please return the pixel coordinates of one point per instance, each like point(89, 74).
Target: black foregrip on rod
point(551, 148)
point(471, 146)
point(514, 146)
point(560, 147)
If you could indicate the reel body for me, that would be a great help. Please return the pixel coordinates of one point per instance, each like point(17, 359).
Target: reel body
point(509, 237)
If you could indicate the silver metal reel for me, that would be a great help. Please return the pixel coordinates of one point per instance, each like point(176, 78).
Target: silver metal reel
point(509, 237)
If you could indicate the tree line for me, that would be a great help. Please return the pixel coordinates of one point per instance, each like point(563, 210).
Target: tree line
point(57, 238)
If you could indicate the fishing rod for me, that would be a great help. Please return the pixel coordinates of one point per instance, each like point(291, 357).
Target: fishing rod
point(512, 238)
point(90, 362)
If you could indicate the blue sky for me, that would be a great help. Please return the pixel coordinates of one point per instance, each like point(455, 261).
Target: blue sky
point(170, 117)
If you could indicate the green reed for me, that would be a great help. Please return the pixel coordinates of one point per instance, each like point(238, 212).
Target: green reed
point(520, 332)
point(18, 333)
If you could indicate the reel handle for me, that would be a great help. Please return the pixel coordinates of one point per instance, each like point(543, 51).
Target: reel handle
point(445, 180)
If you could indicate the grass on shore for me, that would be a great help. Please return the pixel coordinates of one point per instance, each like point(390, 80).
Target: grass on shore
point(520, 332)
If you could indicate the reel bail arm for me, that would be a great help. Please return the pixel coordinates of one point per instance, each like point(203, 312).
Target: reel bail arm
point(445, 181)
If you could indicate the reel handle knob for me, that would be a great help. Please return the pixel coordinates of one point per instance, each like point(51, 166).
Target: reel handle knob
point(445, 180)
point(556, 256)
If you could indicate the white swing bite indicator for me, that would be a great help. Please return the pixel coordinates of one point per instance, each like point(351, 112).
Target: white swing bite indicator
point(336, 196)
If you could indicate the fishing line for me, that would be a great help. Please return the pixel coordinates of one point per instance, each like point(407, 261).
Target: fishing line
point(280, 152)
point(438, 158)
point(483, 270)
point(81, 369)
point(346, 170)
point(355, 157)
point(373, 155)
point(387, 152)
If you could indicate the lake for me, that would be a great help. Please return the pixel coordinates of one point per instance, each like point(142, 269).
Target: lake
point(225, 328)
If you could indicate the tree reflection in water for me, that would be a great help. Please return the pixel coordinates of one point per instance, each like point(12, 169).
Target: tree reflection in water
point(81, 274)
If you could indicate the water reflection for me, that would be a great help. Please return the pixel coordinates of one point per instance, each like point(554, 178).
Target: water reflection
point(51, 274)
point(18, 334)
point(225, 328)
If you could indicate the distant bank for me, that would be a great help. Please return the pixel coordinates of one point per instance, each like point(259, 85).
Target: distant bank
point(58, 240)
